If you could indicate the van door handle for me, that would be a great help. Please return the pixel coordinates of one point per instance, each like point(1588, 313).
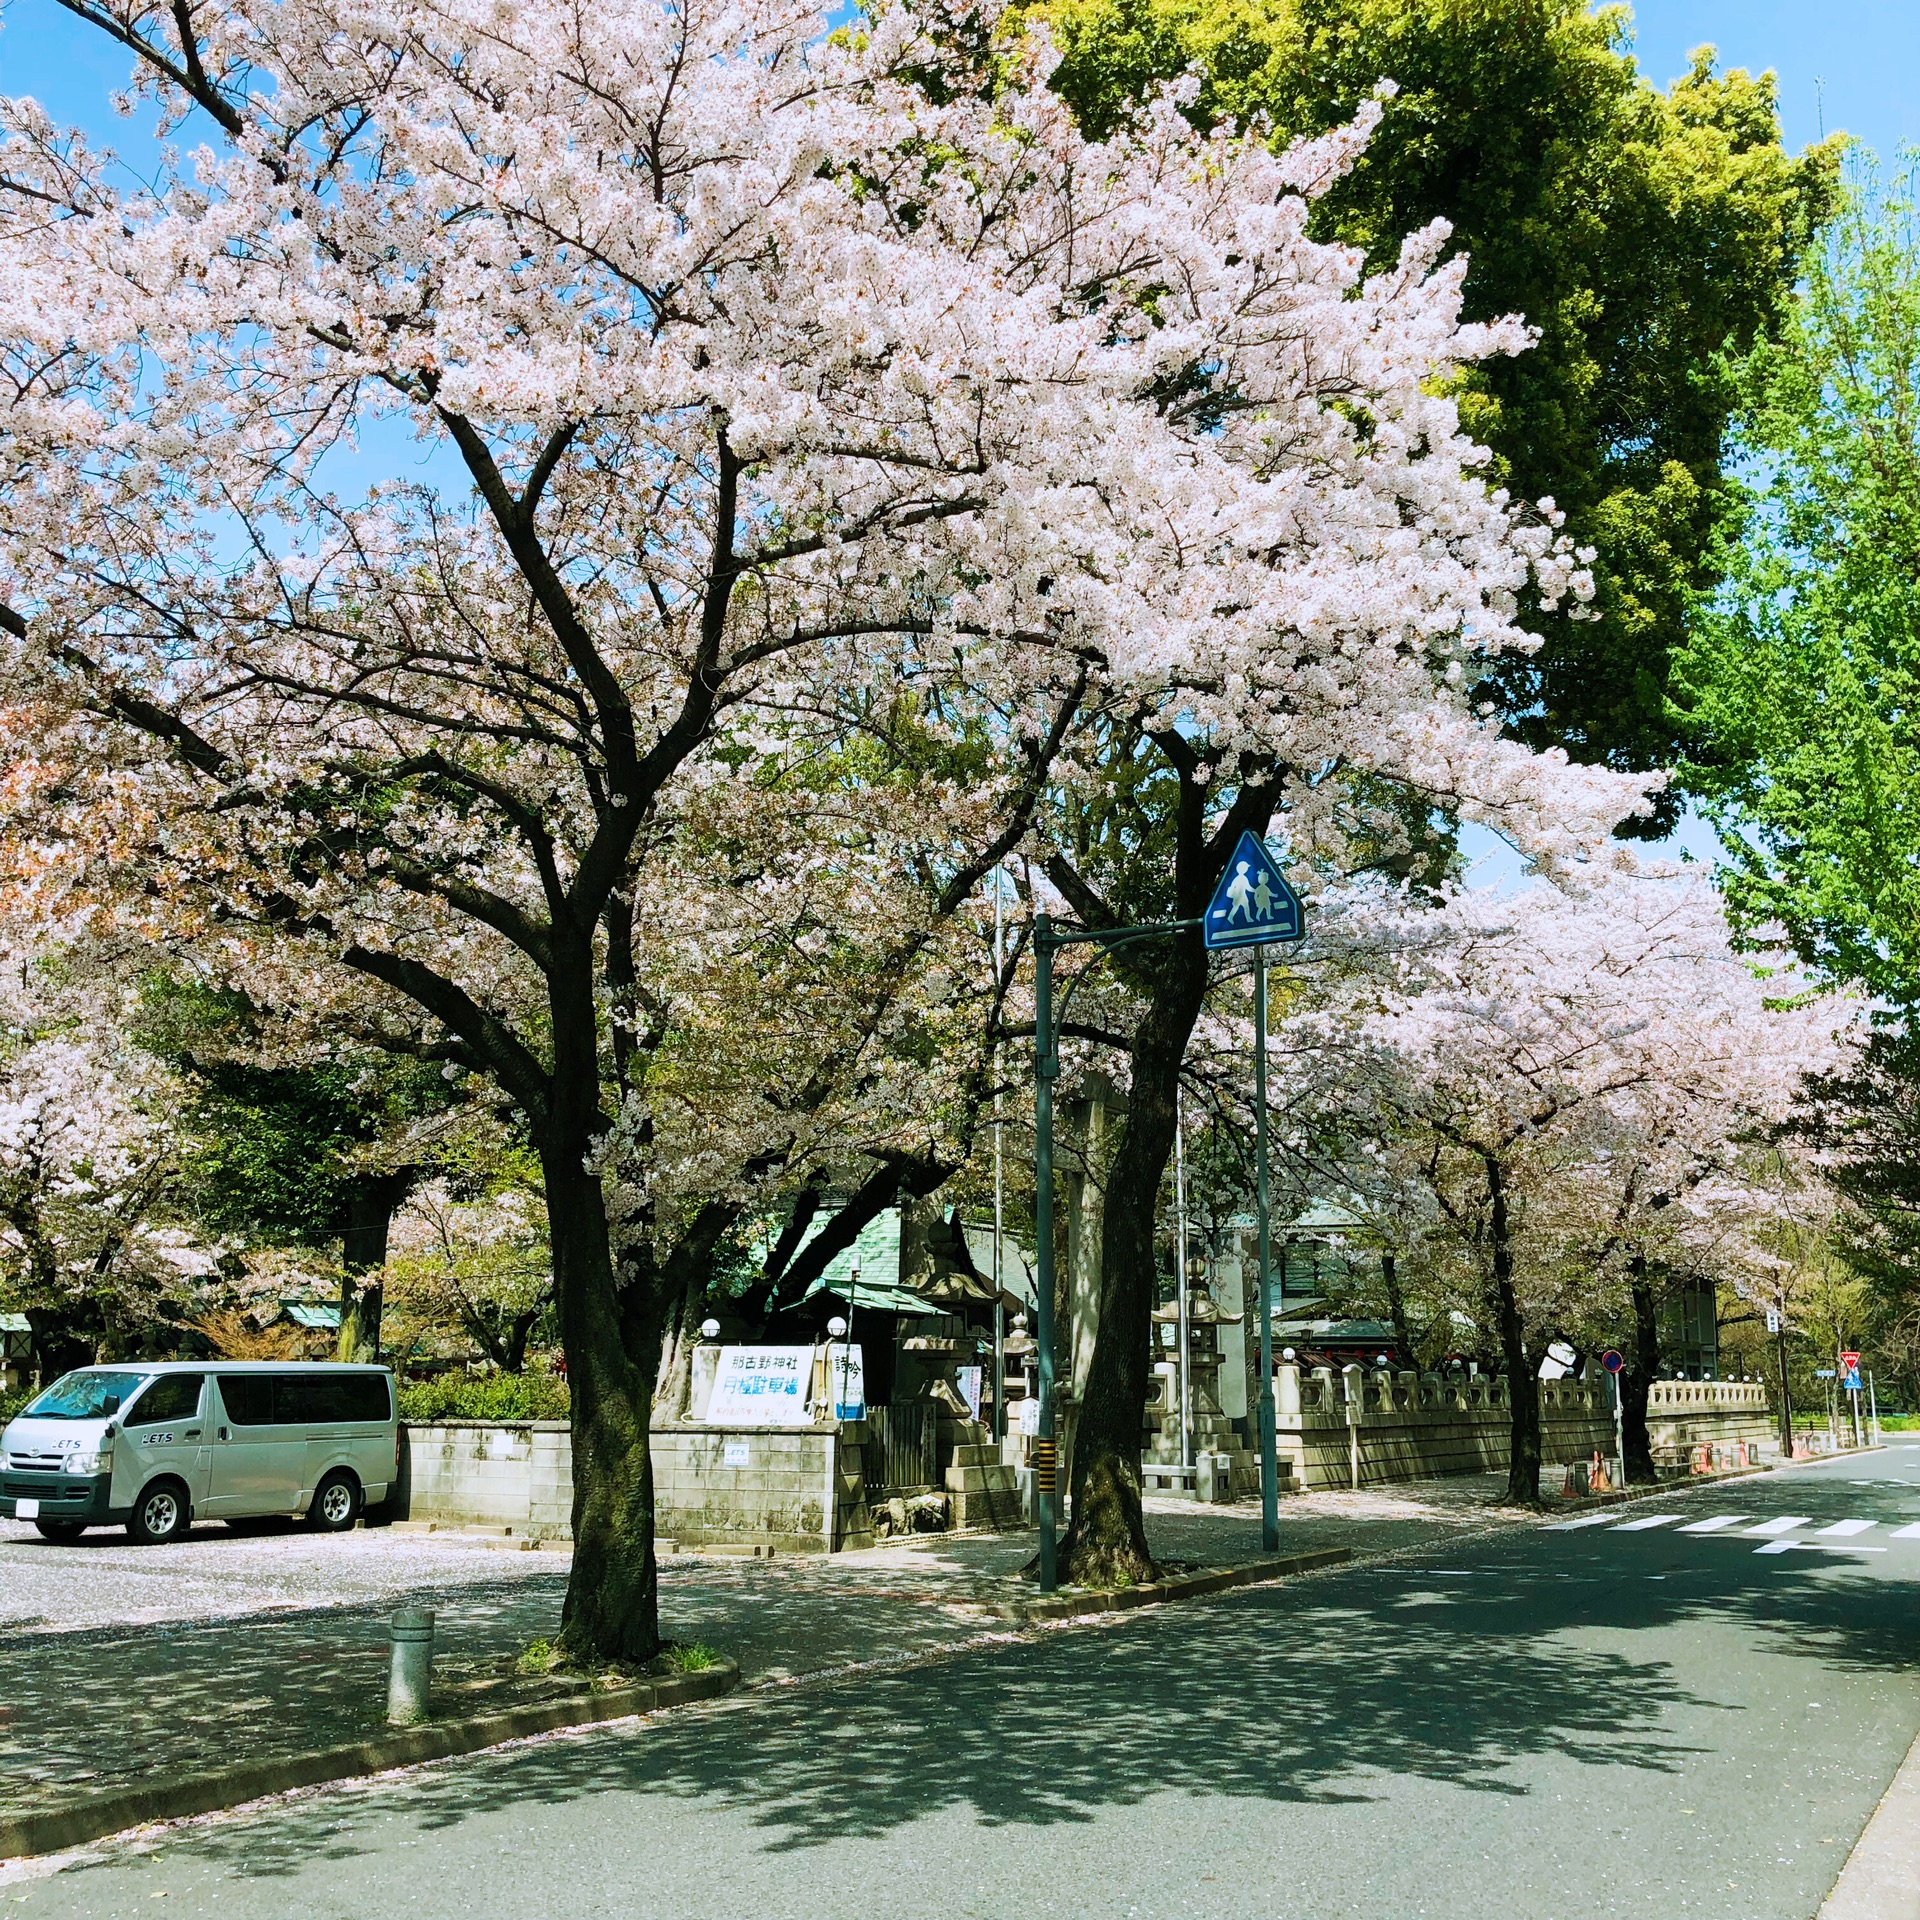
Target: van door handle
point(223, 1433)
point(192, 1433)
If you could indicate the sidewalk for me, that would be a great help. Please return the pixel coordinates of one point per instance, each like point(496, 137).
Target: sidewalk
point(241, 1672)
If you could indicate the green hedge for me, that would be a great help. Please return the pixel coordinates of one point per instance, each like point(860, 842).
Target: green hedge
point(11, 1403)
point(492, 1396)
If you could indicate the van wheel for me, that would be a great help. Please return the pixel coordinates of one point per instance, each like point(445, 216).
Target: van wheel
point(61, 1530)
point(160, 1514)
point(336, 1503)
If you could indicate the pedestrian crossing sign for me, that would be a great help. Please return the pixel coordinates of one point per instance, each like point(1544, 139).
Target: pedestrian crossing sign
point(1253, 903)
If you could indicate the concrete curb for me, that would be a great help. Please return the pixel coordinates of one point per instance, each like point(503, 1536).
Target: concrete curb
point(1881, 1880)
point(1154, 1593)
point(100, 1814)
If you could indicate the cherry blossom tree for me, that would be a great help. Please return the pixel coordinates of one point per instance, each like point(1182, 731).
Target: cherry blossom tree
point(738, 381)
point(1567, 1078)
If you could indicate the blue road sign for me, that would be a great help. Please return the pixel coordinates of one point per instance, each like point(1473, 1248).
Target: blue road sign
point(1253, 903)
point(1612, 1360)
point(1851, 1379)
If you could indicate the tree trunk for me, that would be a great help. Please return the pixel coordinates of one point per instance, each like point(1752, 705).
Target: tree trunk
point(372, 1201)
point(1523, 1381)
point(1636, 1382)
point(612, 1606)
point(1107, 1540)
point(1397, 1307)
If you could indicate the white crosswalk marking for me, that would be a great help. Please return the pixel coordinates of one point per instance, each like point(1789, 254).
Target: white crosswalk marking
point(1785, 1524)
point(1585, 1520)
point(1719, 1521)
point(1640, 1526)
point(1907, 1533)
point(1846, 1526)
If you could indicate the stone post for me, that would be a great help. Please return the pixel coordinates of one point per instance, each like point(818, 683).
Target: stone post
point(410, 1677)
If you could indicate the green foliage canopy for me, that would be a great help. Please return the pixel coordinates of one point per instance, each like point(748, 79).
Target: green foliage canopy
point(1645, 234)
point(1800, 687)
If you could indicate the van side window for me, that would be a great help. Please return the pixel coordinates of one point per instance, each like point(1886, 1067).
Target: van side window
point(173, 1396)
point(248, 1398)
point(327, 1399)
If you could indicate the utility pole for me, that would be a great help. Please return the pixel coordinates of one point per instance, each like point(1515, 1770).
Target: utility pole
point(1180, 1276)
point(999, 1181)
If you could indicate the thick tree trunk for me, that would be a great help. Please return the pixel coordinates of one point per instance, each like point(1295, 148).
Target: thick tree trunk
point(1636, 1382)
point(1107, 1540)
point(372, 1202)
point(612, 1606)
point(1523, 1379)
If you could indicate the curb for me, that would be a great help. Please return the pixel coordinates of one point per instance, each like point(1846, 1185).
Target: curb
point(1155, 1593)
point(1878, 1881)
point(105, 1813)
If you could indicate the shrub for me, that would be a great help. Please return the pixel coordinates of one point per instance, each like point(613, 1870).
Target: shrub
point(11, 1403)
point(491, 1396)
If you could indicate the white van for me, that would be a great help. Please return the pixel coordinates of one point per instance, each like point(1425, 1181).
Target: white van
point(160, 1444)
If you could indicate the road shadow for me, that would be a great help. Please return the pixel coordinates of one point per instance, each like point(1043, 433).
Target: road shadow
point(1304, 1692)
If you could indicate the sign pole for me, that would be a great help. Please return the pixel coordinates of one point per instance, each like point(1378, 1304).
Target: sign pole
point(1046, 1069)
point(1786, 1401)
point(1269, 1449)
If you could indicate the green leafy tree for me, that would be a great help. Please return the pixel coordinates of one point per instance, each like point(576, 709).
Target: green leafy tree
point(1800, 687)
point(302, 1152)
point(1799, 692)
point(1645, 234)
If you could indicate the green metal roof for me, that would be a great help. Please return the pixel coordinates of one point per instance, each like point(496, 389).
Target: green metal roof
point(316, 1319)
point(877, 1296)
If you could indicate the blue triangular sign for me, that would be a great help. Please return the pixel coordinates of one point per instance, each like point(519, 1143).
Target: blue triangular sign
point(1253, 903)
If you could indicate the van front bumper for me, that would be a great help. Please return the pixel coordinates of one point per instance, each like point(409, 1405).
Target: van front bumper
point(62, 1496)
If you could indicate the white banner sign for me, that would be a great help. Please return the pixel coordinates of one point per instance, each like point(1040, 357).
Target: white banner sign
point(846, 1369)
point(762, 1387)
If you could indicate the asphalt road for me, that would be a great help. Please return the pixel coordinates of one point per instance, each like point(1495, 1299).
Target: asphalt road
point(1543, 1724)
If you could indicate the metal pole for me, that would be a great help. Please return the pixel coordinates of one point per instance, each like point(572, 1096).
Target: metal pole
point(1619, 1429)
point(1269, 1451)
point(1873, 1409)
point(1786, 1401)
point(1046, 1069)
point(999, 1187)
point(1180, 1235)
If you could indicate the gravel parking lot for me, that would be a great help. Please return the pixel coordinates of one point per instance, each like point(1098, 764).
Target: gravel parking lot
point(104, 1580)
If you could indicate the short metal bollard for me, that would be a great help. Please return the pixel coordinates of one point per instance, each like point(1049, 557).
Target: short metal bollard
point(411, 1675)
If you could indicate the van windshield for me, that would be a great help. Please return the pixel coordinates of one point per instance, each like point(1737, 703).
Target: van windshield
point(84, 1396)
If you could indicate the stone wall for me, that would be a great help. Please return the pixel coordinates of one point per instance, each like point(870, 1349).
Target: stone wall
point(1403, 1426)
point(1684, 1414)
point(1409, 1426)
point(519, 1474)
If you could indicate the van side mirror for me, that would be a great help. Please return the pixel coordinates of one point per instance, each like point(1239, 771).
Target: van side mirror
point(110, 1405)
